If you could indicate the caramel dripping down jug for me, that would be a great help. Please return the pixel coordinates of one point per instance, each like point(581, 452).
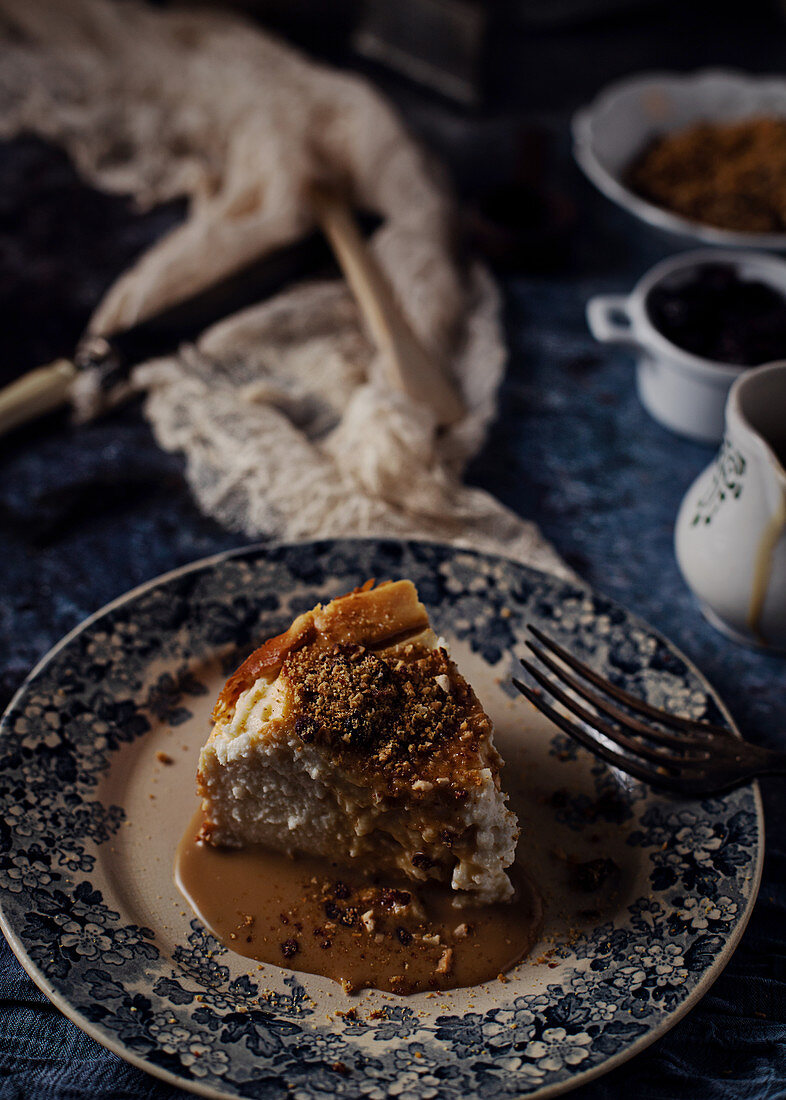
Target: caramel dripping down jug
point(730, 535)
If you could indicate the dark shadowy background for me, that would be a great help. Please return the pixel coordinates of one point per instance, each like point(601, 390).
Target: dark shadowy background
point(87, 513)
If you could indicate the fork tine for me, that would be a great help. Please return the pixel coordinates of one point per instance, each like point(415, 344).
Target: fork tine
point(683, 741)
point(616, 759)
point(622, 696)
point(640, 750)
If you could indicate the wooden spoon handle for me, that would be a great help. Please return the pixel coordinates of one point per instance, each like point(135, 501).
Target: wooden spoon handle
point(411, 368)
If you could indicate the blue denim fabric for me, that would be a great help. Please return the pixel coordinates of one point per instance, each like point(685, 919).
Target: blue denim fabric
point(89, 514)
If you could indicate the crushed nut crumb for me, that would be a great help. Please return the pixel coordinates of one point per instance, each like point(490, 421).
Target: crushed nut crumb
point(445, 964)
point(391, 716)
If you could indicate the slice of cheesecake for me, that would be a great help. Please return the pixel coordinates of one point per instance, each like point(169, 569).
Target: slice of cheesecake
point(353, 736)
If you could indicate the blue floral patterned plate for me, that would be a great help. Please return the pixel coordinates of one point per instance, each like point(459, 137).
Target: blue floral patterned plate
point(97, 762)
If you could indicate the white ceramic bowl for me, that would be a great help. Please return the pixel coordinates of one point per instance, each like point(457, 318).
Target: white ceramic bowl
point(680, 390)
point(616, 126)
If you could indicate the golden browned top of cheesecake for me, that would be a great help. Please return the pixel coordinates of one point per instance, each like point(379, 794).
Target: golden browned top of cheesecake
point(406, 720)
point(367, 683)
point(376, 618)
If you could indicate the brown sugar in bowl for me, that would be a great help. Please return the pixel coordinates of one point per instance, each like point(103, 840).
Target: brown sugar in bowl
point(627, 116)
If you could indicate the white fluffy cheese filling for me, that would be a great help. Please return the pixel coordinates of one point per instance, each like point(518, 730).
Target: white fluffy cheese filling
point(266, 786)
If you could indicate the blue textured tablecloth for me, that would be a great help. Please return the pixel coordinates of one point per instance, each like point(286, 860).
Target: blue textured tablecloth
point(87, 514)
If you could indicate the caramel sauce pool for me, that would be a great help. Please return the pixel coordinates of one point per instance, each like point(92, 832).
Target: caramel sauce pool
point(324, 918)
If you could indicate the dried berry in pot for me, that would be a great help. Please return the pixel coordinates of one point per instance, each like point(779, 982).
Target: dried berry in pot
point(718, 314)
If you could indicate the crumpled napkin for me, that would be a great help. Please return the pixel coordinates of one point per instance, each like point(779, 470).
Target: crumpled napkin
point(282, 412)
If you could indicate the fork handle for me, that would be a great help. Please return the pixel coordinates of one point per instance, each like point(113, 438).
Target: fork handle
point(773, 762)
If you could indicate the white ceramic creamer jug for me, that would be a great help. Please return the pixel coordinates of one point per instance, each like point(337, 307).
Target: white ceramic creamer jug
point(730, 536)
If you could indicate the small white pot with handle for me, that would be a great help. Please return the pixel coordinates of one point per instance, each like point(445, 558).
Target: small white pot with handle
point(680, 390)
point(730, 536)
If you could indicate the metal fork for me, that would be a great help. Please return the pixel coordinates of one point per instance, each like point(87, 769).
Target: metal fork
point(697, 759)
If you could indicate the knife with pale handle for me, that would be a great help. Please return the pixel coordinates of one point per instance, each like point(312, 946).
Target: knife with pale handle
point(113, 356)
point(410, 367)
point(40, 391)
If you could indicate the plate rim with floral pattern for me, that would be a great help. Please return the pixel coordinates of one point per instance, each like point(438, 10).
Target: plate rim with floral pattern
point(541, 1043)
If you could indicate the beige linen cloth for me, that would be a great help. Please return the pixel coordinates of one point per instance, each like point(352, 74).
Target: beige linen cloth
point(281, 411)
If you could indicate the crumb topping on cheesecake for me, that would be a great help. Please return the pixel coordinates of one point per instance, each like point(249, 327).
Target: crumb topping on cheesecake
point(402, 719)
point(343, 697)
